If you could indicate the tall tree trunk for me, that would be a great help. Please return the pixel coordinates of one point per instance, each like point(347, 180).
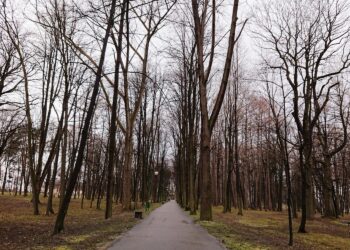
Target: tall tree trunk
point(49, 207)
point(329, 206)
point(59, 224)
point(64, 155)
point(112, 141)
point(208, 123)
point(127, 171)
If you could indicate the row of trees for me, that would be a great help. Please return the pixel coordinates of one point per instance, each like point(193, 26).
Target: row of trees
point(78, 88)
point(84, 97)
point(283, 130)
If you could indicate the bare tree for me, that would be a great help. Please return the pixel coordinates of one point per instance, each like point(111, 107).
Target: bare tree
point(113, 128)
point(332, 137)
point(306, 40)
point(59, 225)
point(208, 120)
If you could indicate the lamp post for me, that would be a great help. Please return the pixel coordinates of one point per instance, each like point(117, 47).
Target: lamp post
point(156, 173)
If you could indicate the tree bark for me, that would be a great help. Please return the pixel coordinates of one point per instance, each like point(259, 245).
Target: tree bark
point(59, 224)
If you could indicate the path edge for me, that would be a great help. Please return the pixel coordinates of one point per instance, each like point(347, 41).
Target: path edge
point(118, 237)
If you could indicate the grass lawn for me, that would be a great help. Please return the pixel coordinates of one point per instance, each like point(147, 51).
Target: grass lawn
point(269, 230)
point(84, 228)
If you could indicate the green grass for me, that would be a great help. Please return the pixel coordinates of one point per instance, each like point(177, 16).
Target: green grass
point(84, 228)
point(269, 230)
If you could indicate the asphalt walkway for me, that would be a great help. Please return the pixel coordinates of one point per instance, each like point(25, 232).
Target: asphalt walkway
point(167, 228)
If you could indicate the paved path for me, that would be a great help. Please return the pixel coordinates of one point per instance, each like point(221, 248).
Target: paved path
point(167, 228)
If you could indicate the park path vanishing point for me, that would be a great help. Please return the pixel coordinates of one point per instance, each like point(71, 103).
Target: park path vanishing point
point(167, 228)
